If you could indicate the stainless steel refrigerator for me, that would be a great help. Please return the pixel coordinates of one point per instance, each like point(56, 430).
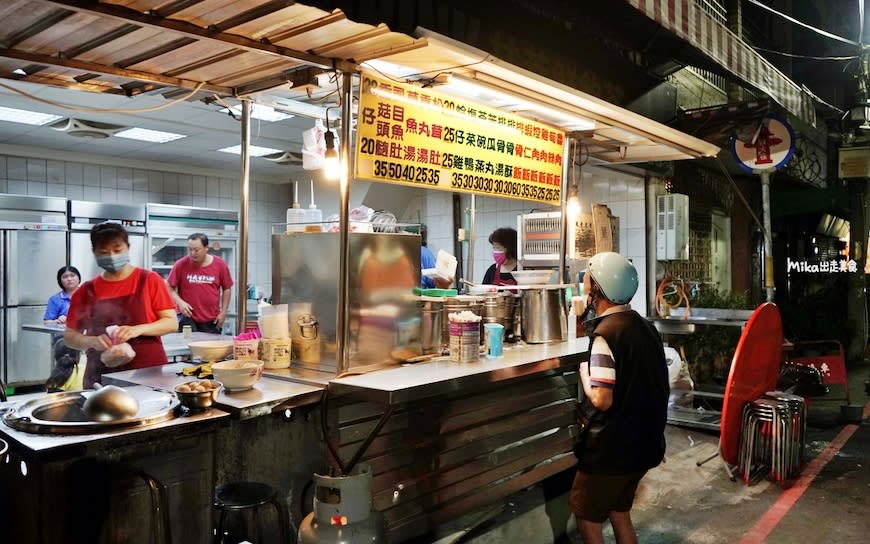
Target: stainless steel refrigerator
point(170, 225)
point(82, 218)
point(33, 237)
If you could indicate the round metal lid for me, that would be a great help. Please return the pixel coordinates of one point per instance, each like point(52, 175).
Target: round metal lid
point(62, 413)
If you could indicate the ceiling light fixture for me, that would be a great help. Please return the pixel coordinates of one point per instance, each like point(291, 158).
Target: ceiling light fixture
point(253, 150)
point(27, 117)
point(148, 135)
point(259, 111)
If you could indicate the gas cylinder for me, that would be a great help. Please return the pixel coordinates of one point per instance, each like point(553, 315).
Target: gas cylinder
point(343, 511)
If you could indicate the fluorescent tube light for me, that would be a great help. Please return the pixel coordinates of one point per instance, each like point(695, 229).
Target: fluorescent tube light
point(148, 135)
point(253, 150)
point(261, 112)
point(27, 117)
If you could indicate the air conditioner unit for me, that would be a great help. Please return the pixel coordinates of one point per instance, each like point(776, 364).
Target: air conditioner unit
point(83, 128)
point(672, 227)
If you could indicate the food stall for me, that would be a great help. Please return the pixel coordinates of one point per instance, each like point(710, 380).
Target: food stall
point(440, 435)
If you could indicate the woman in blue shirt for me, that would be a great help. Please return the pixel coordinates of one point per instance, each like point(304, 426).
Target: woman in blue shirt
point(68, 278)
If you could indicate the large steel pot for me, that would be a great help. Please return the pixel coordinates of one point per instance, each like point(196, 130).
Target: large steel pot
point(544, 314)
point(432, 313)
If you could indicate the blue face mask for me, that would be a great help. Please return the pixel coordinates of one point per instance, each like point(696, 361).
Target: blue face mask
point(114, 262)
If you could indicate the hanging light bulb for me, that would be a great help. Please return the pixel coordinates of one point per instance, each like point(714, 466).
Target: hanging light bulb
point(330, 158)
point(573, 203)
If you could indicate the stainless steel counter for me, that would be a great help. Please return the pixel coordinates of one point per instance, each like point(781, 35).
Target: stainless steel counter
point(45, 443)
point(417, 381)
point(263, 398)
point(175, 344)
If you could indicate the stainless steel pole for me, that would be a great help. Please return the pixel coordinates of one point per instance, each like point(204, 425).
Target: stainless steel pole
point(563, 205)
point(346, 170)
point(242, 282)
point(768, 239)
point(472, 237)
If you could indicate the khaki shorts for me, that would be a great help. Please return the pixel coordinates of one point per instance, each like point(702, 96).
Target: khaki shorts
point(595, 496)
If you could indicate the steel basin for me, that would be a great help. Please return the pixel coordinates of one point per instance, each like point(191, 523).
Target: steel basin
point(62, 413)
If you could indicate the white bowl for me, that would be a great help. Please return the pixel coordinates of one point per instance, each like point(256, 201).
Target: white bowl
point(532, 277)
point(210, 350)
point(238, 375)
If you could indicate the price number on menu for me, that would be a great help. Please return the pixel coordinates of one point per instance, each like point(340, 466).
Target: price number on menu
point(503, 187)
point(407, 172)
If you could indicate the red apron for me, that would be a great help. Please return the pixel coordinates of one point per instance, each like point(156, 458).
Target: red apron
point(126, 310)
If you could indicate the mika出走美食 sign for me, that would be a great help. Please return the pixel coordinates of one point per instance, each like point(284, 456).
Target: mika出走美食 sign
point(416, 136)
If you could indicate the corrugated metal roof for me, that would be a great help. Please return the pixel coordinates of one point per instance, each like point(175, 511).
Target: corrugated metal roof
point(271, 49)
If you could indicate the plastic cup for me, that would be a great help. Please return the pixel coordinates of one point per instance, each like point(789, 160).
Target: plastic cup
point(493, 338)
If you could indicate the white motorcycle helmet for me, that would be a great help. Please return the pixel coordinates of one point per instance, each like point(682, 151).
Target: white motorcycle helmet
point(615, 275)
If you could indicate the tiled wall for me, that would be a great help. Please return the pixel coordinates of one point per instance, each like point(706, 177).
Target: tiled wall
point(115, 184)
point(624, 194)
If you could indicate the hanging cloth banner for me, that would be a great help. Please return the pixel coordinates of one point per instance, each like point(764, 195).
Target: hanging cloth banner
point(421, 137)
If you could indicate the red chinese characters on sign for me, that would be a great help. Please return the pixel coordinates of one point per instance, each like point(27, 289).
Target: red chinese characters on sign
point(411, 135)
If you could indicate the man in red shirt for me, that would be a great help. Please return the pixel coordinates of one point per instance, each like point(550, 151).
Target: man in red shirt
point(200, 285)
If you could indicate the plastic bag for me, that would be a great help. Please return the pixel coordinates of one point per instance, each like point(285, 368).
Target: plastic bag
point(117, 355)
point(313, 146)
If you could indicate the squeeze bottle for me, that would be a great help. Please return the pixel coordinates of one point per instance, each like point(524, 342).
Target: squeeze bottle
point(295, 214)
point(313, 216)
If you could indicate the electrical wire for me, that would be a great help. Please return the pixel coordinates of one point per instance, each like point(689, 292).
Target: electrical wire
point(82, 109)
point(799, 23)
point(807, 57)
point(436, 72)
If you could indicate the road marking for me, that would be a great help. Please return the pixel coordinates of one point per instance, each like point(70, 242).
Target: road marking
point(768, 522)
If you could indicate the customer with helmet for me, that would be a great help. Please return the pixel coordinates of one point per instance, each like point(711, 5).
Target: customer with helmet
point(625, 385)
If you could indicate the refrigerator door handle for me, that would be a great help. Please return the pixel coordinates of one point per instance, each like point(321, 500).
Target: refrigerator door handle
point(11, 248)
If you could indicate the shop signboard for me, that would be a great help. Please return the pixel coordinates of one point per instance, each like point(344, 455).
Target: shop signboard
point(771, 148)
point(422, 137)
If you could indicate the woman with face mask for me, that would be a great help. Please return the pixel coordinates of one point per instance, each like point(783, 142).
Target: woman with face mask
point(504, 253)
point(134, 299)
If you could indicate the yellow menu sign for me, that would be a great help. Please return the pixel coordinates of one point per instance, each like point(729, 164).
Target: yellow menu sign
point(415, 136)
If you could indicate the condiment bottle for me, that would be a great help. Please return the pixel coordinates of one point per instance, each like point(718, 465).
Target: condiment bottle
point(296, 216)
point(313, 216)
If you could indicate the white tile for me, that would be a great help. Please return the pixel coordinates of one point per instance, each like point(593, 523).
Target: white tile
point(635, 216)
point(55, 189)
point(36, 170)
point(108, 176)
point(73, 173)
point(200, 200)
point(185, 200)
point(170, 182)
point(36, 188)
point(125, 196)
point(212, 187)
point(618, 189)
point(54, 172)
point(228, 189)
point(155, 182)
point(16, 187)
point(91, 193)
point(91, 175)
point(108, 194)
point(199, 185)
point(75, 192)
point(618, 208)
point(228, 204)
point(213, 202)
point(2, 167)
point(140, 180)
point(124, 178)
point(185, 184)
point(635, 245)
point(3, 186)
point(170, 198)
point(16, 168)
point(156, 196)
point(140, 195)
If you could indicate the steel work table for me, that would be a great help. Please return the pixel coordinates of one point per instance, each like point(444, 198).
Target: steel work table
point(175, 344)
point(267, 395)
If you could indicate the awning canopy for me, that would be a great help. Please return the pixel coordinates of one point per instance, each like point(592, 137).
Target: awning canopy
point(273, 50)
